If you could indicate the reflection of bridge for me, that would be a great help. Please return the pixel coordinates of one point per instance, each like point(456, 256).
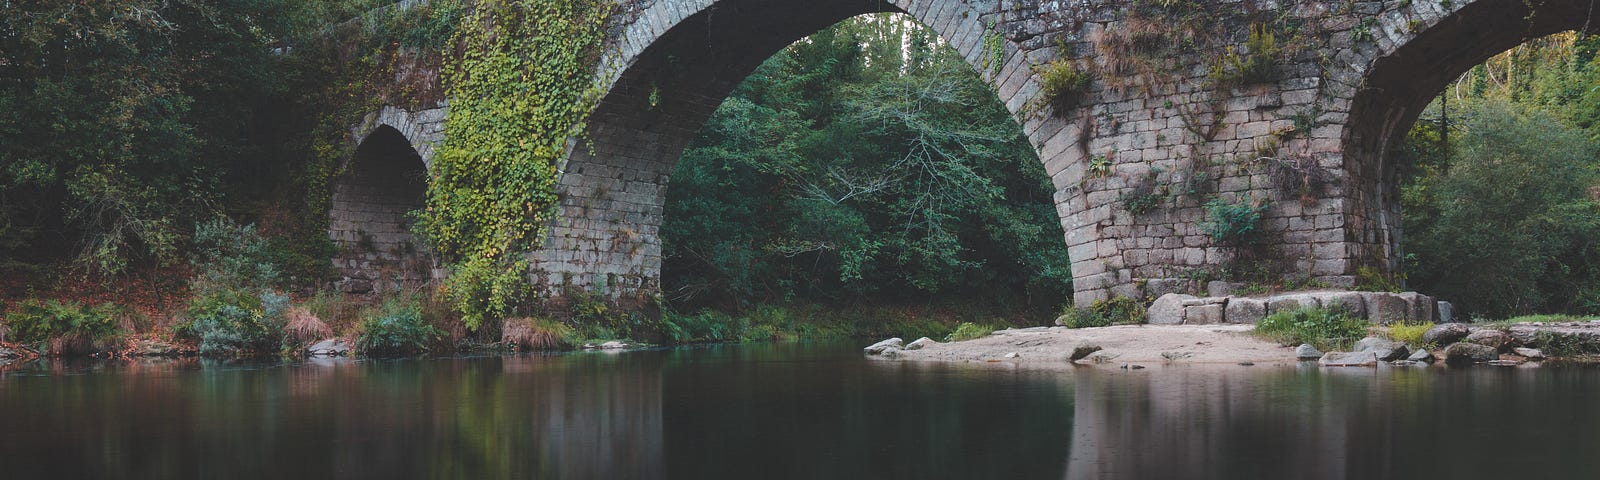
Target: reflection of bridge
point(1311, 137)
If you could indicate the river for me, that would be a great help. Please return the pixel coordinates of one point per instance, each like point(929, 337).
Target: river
point(796, 410)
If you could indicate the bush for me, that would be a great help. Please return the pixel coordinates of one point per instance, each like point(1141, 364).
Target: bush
point(237, 323)
point(1325, 329)
point(525, 334)
point(1410, 334)
point(396, 328)
point(68, 327)
point(1102, 313)
point(228, 256)
point(1061, 83)
point(968, 331)
point(1233, 223)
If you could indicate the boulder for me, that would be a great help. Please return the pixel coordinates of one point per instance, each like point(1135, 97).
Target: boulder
point(1082, 351)
point(1445, 311)
point(1386, 350)
point(1532, 353)
point(1446, 333)
point(1404, 363)
point(1158, 287)
point(918, 344)
point(890, 352)
point(1489, 337)
point(1348, 359)
point(154, 348)
point(878, 348)
point(1349, 302)
point(1219, 288)
point(1291, 302)
point(1467, 352)
point(1245, 310)
point(1168, 310)
point(1203, 314)
point(613, 345)
point(1385, 308)
point(1420, 355)
point(1307, 352)
point(1012, 355)
point(332, 347)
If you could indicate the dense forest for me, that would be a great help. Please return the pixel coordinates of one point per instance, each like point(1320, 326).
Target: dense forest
point(164, 171)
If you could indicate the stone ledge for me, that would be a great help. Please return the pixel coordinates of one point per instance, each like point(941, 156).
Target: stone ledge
point(1376, 307)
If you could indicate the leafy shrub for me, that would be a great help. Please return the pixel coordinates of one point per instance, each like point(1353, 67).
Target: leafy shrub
point(228, 256)
point(1559, 345)
point(1062, 83)
point(968, 331)
point(396, 328)
point(69, 327)
point(1112, 311)
point(236, 323)
point(1322, 328)
point(1256, 63)
point(1233, 223)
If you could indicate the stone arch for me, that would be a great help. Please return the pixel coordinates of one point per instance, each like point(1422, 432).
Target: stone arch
point(1419, 55)
point(668, 70)
point(369, 216)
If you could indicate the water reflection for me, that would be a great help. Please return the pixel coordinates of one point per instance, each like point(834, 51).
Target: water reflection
point(785, 411)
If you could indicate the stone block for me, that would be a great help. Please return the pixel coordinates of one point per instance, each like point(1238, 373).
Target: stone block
point(1284, 303)
point(1168, 309)
point(1385, 308)
point(1245, 310)
point(1350, 302)
point(1208, 314)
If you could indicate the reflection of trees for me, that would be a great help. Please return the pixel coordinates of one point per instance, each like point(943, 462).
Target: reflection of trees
point(579, 416)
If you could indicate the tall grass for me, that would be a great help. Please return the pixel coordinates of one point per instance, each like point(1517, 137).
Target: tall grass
point(1326, 329)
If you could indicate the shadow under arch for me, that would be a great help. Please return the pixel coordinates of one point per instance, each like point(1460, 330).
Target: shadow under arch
point(1400, 84)
point(370, 215)
point(612, 189)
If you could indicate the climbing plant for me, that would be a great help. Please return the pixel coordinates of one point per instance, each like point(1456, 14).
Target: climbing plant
point(519, 88)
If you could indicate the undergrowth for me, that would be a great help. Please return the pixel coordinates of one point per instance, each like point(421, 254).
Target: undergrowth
point(1326, 329)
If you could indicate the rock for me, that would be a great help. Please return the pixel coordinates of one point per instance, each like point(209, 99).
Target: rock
point(919, 343)
point(1420, 355)
point(1246, 363)
point(1504, 363)
point(1168, 310)
point(1291, 302)
point(1489, 337)
point(1219, 288)
point(613, 345)
point(1245, 310)
point(152, 348)
point(1446, 333)
point(878, 348)
point(1385, 308)
point(332, 347)
point(890, 352)
point(1446, 312)
point(1532, 353)
point(1157, 287)
point(354, 285)
point(1011, 355)
point(1082, 351)
point(1404, 363)
point(1203, 314)
point(1307, 352)
point(1349, 302)
point(1466, 352)
point(1386, 350)
point(8, 353)
point(1348, 359)
point(1129, 366)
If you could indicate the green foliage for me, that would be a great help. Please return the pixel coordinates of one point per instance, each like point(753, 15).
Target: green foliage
point(799, 322)
point(1257, 62)
point(1062, 83)
point(1369, 279)
point(1117, 310)
point(968, 331)
point(1566, 345)
point(233, 323)
point(520, 87)
point(861, 163)
point(1503, 221)
point(1328, 330)
point(396, 328)
point(228, 256)
point(1231, 223)
point(1410, 334)
point(35, 322)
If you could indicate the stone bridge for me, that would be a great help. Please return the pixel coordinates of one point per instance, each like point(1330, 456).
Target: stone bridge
point(1291, 106)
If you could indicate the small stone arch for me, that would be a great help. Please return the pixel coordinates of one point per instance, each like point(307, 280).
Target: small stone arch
point(370, 215)
point(1404, 76)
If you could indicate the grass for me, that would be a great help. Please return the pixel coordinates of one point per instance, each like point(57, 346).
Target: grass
point(790, 322)
point(1328, 330)
point(1102, 313)
point(969, 331)
point(1410, 334)
point(524, 334)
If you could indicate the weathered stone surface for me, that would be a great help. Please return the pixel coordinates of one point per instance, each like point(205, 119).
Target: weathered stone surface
point(1219, 288)
point(329, 348)
point(1156, 287)
point(1489, 337)
point(1082, 351)
point(1467, 352)
point(918, 344)
point(1245, 310)
point(1203, 314)
point(1307, 352)
point(1168, 310)
point(1012, 355)
point(1446, 311)
point(1446, 333)
point(1291, 302)
point(1421, 356)
point(155, 348)
point(1348, 359)
point(1532, 353)
point(878, 348)
point(1386, 350)
point(1348, 302)
point(1385, 308)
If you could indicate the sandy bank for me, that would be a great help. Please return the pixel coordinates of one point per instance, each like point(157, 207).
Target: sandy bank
point(1132, 344)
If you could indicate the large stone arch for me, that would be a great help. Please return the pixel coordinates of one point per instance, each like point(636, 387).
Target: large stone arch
point(369, 214)
point(666, 72)
point(1423, 51)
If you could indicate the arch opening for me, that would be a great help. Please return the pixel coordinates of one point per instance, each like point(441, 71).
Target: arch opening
point(371, 215)
point(612, 190)
point(1403, 87)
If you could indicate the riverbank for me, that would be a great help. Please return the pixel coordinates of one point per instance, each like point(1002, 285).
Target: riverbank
point(1118, 345)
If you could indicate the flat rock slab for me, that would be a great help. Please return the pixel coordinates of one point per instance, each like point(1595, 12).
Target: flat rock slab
point(1348, 359)
point(1048, 348)
point(329, 348)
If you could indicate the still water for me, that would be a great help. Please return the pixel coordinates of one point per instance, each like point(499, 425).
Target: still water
point(787, 411)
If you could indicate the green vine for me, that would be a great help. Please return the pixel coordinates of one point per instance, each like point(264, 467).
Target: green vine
point(520, 87)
